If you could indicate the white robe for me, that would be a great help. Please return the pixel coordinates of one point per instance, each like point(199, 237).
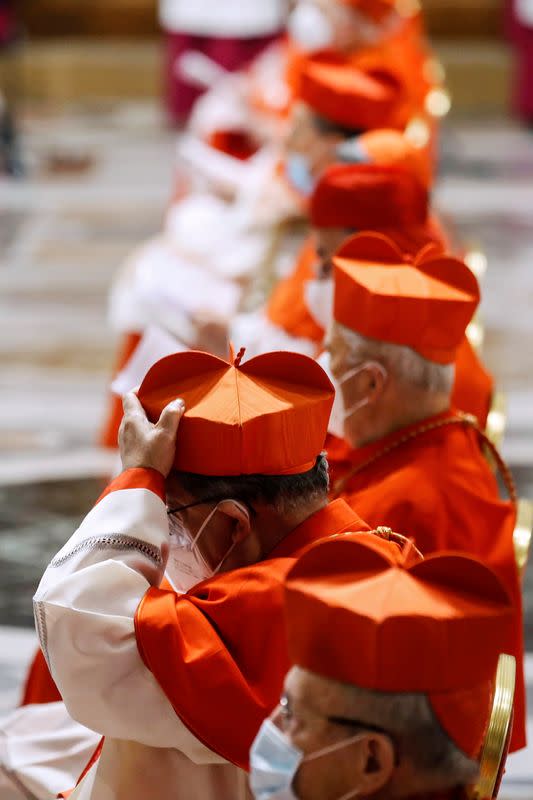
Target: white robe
point(230, 18)
point(42, 751)
point(84, 609)
point(524, 12)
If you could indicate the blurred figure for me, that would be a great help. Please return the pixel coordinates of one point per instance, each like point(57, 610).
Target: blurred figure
point(388, 197)
point(520, 28)
point(230, 34)
point(394, 672)
point(410, 458)
point(10, 161)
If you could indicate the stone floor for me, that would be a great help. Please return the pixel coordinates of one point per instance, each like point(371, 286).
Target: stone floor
point(98, 180)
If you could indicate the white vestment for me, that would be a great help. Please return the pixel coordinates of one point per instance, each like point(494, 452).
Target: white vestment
point(84, 609)
point(232, 18)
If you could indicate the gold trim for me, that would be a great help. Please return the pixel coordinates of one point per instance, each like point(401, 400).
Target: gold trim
point(523, 533)
point(475, 333)
point(459, 418)
point(497, 419)
point(496, 738)
point(476, 261)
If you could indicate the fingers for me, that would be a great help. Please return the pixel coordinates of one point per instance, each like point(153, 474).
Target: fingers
point(132, 405)
point(170, 417)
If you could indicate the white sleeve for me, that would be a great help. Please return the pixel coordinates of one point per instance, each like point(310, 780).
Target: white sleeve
point(42, 751)
point(84, 611)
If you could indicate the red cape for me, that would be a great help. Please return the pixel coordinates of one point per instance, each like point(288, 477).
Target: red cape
point(439, 489)
point(219, 651)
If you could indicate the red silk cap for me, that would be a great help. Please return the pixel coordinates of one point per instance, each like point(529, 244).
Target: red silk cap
point(375, 9)
point(365, 196)
point(359, 615)
point(410, 239)
point(424, 303)
point(267, 416)
point(341, 93)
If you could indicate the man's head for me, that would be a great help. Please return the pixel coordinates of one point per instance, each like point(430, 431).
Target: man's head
point(312, 144)
point(369, 730)
point(334, 102)
point(397, 326)
point(248, 466)
point(242, 518)
point(395, 660)
point(384, 386)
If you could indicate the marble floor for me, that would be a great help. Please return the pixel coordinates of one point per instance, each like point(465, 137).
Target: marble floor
point(98, 179)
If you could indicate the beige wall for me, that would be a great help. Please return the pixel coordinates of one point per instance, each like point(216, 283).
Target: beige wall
point(137, 18)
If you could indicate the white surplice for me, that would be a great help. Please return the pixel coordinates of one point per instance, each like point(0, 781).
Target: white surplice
point(42, 751)
point(84, 610)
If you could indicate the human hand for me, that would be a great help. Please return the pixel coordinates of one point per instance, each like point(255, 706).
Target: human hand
point(143, 444)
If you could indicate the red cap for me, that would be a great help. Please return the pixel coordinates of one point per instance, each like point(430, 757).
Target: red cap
point(424, 303)
point(365, 196)
point(410, 239)
point(436, 626)
point(375, 9)
point(267, 416)
point(340, 92)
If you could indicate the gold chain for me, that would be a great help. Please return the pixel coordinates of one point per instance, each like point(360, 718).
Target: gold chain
point(460, 418)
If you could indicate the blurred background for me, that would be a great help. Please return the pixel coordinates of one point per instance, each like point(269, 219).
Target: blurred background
point(87, 169)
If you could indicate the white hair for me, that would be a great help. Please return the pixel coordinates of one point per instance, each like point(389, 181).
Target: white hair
point(411, 721)
point(403, 362)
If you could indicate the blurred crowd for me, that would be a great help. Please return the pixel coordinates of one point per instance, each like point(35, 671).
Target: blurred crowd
point(305, 579)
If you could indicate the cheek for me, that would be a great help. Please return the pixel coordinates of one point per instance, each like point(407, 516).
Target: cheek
point(311, 781)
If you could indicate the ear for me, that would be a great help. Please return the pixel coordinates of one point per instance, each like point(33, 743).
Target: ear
point(377, 379)
point(377, 763)
point(240, 518)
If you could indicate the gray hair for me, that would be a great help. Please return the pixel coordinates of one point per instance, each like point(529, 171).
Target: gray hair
point(403, 362)
point(412, 723)
point(285, 493)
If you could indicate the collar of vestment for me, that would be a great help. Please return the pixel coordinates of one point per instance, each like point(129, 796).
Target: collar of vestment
point(362, 457)
point(336, 517)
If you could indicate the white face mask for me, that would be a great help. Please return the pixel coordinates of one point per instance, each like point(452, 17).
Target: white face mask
point(319, 301)
point(310, 28)
point(186, 565)
point(298, 174)
point(274, 762)
point(339, 413)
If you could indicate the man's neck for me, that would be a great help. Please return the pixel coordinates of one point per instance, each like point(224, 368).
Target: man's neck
point(275, 527)
point(404, 417)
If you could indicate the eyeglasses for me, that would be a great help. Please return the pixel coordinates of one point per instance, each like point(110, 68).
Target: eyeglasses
point(347, 721)
point(208, 500)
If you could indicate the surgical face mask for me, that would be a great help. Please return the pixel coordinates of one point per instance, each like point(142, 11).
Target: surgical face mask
point(274, 762)
point(319, 301)
point(186, 565)
point(339, 413)
point(298, 174)
point(351, 151)
point(310, 28)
